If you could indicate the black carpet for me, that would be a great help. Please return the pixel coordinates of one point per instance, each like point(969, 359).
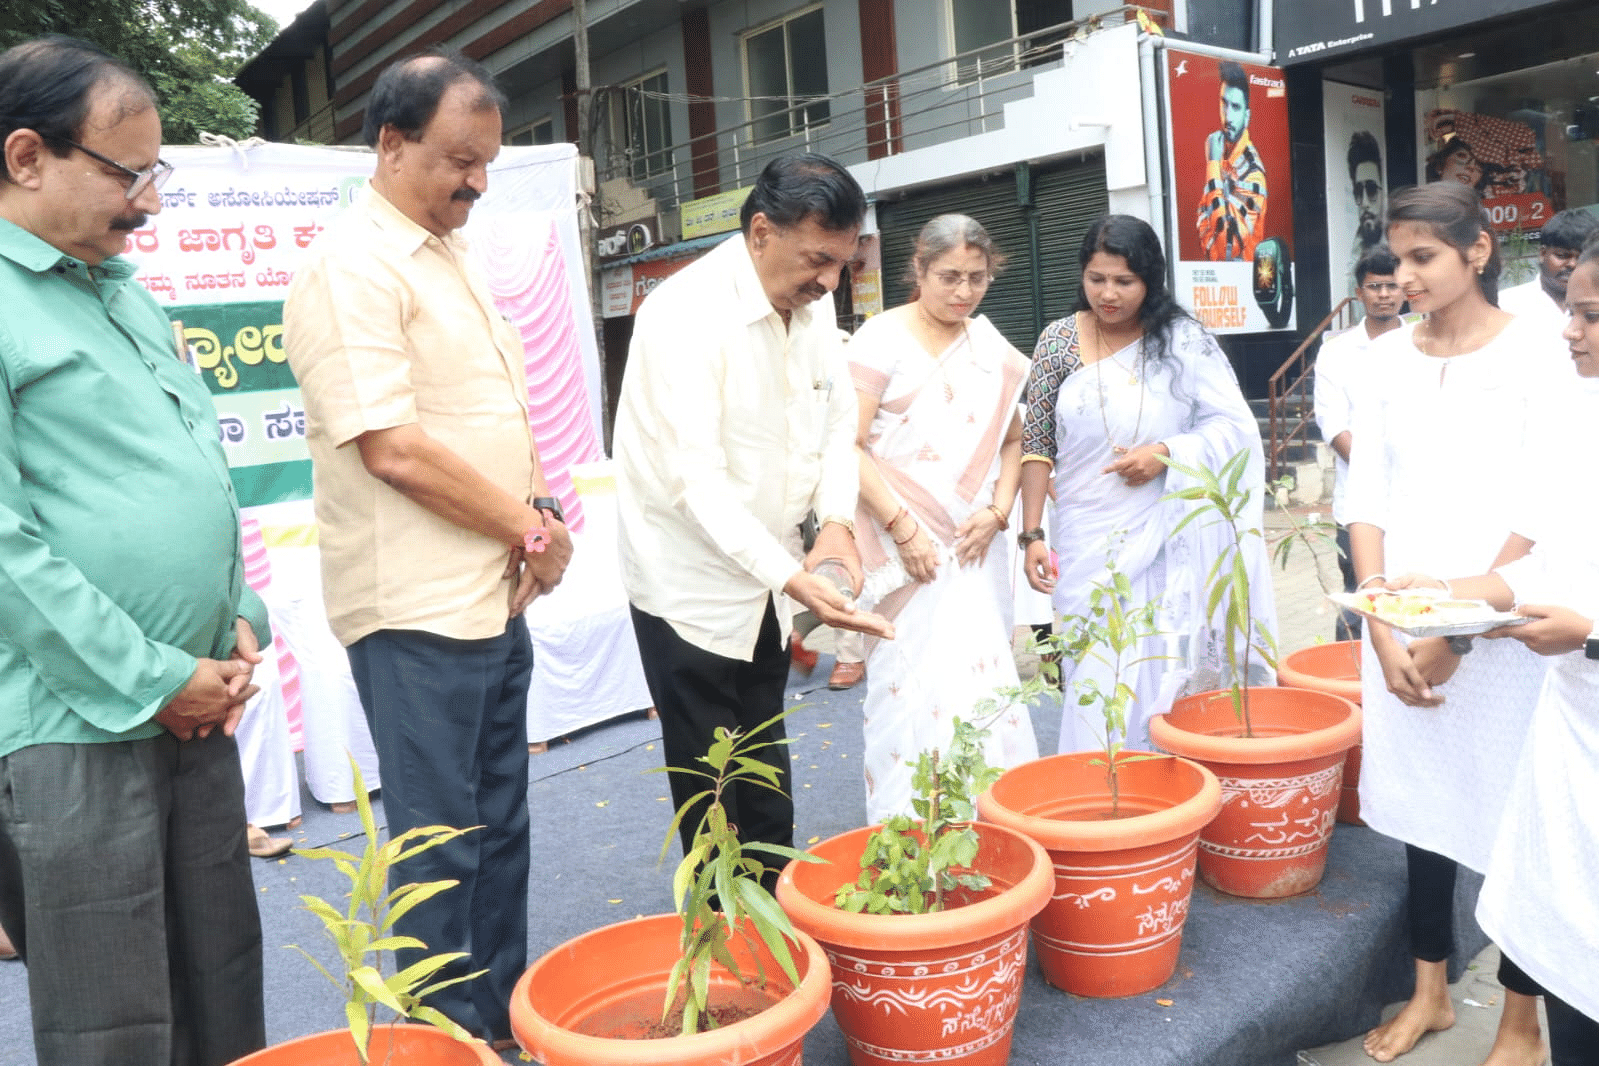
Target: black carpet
point(1256, 981)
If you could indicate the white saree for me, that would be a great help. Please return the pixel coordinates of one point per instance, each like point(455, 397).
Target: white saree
point(936, 441)
point(1190, 402)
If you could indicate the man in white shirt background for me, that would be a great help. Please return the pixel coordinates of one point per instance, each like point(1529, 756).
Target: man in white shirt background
point(1341, 375)
point(737, 417)
point(1543, 299)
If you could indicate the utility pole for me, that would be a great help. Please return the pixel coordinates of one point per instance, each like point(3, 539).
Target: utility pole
point(590, 184)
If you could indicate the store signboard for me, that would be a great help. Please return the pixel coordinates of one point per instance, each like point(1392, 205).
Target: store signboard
point(1502, 158)
point(712, 214)
point(629, 238)
point(1231, 218)
point(1357, 180)
point(623, 288)
point(1309, 31)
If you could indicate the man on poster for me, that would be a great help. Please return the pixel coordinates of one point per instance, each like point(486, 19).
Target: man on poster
point(1371, 195)
point(1232, 208)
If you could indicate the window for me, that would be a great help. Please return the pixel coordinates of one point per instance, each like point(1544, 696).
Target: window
point(785, 69)
point(975, 24)
point(641, 127)
point(540, 132)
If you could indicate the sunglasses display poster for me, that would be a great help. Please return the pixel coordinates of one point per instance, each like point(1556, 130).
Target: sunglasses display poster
point(1357, 180)
point(233, 227)
point(1229, 190)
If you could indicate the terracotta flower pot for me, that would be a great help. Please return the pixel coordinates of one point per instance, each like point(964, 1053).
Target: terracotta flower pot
point(590, 1001)
point(1115, 922)
point(924, 987)
point(1331, 668)
point(395, 1045)
point(1279, 788)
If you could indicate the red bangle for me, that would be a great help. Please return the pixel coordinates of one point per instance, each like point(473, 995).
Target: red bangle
point(910, 538)
point(892, 522)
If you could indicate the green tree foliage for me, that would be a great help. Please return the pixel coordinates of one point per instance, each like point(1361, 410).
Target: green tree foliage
point(188, 50)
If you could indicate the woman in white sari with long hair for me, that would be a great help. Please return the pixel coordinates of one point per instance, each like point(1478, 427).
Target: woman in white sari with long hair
point(1129, 378)
point(940, 442)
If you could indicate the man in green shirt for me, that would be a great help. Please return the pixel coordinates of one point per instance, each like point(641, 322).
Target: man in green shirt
point(127, 635)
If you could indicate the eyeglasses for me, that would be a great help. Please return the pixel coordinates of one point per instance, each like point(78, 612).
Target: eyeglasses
point(1367, 190)
point(1381, 288)
point(140, 180)
point(951, 279)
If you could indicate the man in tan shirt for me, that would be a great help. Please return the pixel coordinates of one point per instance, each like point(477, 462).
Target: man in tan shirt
point(436, 524)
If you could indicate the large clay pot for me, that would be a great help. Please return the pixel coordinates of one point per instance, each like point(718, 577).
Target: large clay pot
point(612, 981)
point(938, 987)
point(394, 1045)
point(1331, 668)
point(1280, 788)
point(1114, 924)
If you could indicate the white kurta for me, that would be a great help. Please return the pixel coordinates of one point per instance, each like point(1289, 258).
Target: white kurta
point(1191, 403)
point(936, 439)
point(1436, 464)
point(1540, 902)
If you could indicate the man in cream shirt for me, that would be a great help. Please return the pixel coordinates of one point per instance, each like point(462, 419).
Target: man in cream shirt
point(437, 527)
point(737, 417)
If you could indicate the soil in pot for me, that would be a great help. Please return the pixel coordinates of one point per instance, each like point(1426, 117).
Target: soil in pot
point(940, 987)
point(392, 1045)
point(1280, 788)
point(638, 1017)
point(592, 982)
point(1114, 924)
point(1331, 668)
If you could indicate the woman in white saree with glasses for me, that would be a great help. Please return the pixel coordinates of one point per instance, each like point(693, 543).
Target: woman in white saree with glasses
point(940, 444)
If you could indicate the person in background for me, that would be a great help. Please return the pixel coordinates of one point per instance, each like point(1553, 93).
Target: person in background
point(1430, 491)
point(1126, 379)
point(736, 420)
point(129, 634)
point(1543, 299)
point(437, 526)
point(940, 445)
point(1340, 374)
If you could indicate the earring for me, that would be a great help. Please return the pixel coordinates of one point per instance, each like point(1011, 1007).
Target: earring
point(1480, 267)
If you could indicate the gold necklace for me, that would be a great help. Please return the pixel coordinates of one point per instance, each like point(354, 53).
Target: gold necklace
point(933, 332)
point(1135, 377)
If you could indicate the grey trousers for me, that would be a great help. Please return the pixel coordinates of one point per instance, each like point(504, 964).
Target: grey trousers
point(125, 884)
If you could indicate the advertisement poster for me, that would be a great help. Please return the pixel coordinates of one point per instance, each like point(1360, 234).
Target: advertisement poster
point(221, 253)
point(1499, 157)
point(1230, 190)
point(1357, 181)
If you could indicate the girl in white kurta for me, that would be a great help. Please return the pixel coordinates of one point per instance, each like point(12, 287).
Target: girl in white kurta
point(1540, 901)
point(940, 444)
point(1435, 462)
point(1127, 377)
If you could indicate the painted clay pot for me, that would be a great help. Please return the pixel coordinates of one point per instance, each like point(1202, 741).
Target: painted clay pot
point(1280, 788)
point(938, 987)
point(593, 1000)
point(396, 1045)
point(1331, 668)
point(1114, 924)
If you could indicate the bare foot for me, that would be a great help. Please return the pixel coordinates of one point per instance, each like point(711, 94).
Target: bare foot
point(1519, 1041)
point(1417, 1018)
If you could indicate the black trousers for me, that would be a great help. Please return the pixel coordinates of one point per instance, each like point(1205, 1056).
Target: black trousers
point(1573, 1036)
point(449, 721)
point(1431, 912)
point(695, 692)
point(1348, 626)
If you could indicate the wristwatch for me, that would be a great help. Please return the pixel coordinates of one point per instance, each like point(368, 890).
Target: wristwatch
point(1590, 647)
point(1027, 536)
point(1459, 645)
point(552, 505)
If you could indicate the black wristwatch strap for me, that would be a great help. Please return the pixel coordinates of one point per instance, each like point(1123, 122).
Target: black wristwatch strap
point(1590, 647)
point(1459, 645)
point(550, 504)
point(1027, 536)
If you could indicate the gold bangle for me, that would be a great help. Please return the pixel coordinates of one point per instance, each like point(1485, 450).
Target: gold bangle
point(849, 526)
point(1004, 523)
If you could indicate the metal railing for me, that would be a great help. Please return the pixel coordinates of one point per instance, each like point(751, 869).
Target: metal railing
point(957, 96)
point(1290, 406)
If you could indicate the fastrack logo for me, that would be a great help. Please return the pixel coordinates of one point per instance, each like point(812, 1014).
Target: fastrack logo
point(1388, 7)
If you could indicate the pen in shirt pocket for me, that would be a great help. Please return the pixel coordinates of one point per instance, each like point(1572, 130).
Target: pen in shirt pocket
point(824, 387)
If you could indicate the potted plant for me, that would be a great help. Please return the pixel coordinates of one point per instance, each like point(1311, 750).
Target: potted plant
point(924, 920)
point(725, 979)
point(1277, 751)
point(1121, 827)
point(1326, 666)
point(360, 934)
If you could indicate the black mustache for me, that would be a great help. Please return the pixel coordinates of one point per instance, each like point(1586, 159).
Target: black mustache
point(130, 222)
point(468, 195)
